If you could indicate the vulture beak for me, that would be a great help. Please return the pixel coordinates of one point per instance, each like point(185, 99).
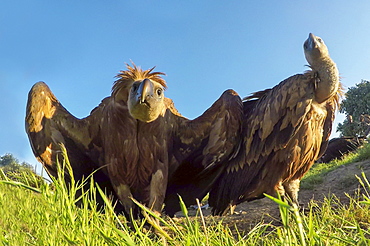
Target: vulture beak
point(145, 91)
point(310, 42)
point(146, 101)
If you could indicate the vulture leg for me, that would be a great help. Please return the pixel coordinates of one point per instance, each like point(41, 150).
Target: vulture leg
point(157, 191)
point(291, 190)
point(124, 194)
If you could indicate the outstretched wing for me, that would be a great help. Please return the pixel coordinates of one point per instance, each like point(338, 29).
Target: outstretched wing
point(201, 146)
point(49, 124)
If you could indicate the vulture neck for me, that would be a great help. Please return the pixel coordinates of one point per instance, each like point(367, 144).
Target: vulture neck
point(327, 83)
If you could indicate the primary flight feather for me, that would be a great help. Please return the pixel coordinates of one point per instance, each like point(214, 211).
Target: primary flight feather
point(135, 139)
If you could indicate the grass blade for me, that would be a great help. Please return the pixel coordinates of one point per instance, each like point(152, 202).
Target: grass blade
point(19, 184)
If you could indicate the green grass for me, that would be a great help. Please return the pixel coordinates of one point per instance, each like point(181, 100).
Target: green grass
point(48, 216)
point(317, 173)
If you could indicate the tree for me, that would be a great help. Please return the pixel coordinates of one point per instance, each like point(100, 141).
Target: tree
point(8, 159)
point(21, 172)
point(355, 104)
point(9, 163)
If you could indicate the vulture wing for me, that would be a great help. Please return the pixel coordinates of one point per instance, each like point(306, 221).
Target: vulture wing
point(286, 129)
point(200, 147)
point(281, 139)
point(49, 124)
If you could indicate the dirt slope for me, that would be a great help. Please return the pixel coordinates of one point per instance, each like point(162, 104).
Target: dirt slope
point(339, 182)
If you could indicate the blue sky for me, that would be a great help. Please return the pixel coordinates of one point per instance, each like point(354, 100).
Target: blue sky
point(204, 47)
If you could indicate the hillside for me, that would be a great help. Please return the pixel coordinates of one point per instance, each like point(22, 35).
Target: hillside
point(339, 183)
point(49, 217)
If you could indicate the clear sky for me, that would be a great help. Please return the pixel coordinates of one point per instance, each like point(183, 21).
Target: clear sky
point(204, 47)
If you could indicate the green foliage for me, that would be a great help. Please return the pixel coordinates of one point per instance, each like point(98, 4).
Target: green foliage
point(355, 104)
point(47, 216)
point(9, 163)
point(7, 160)
point(20, 172)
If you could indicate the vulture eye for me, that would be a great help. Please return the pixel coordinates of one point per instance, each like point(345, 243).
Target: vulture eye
point(134, 87)
point(159, 92)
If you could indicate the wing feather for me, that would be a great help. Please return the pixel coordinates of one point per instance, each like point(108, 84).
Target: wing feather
point(272, 125)
point(331, 107)
point(201, 147)
point(49, 125)
point(270, 130)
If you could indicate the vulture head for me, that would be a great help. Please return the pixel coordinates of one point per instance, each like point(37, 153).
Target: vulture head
point(317, 55)
point(146, 100)
point(315, 49)
point(142, 91)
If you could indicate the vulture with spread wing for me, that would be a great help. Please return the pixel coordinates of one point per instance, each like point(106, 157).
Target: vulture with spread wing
point(135, 139)
point(286, 129)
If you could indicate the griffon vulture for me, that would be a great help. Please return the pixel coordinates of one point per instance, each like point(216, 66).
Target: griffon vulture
point(136, 137)
point(286, 129)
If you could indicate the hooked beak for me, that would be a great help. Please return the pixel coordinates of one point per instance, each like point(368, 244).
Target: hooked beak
point(145, 91)
point(310, 42)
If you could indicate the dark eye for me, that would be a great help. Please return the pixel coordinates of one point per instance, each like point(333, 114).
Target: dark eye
point(159, 92)
point(134, 87)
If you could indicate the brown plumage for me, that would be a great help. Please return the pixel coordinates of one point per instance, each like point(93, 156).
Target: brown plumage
point(136, 136)
point(285, 130)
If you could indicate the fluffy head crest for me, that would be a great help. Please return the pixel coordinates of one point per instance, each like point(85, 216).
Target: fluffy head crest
point(134, 73)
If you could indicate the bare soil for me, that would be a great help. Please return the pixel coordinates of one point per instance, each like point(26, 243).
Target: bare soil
point(340, 182)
